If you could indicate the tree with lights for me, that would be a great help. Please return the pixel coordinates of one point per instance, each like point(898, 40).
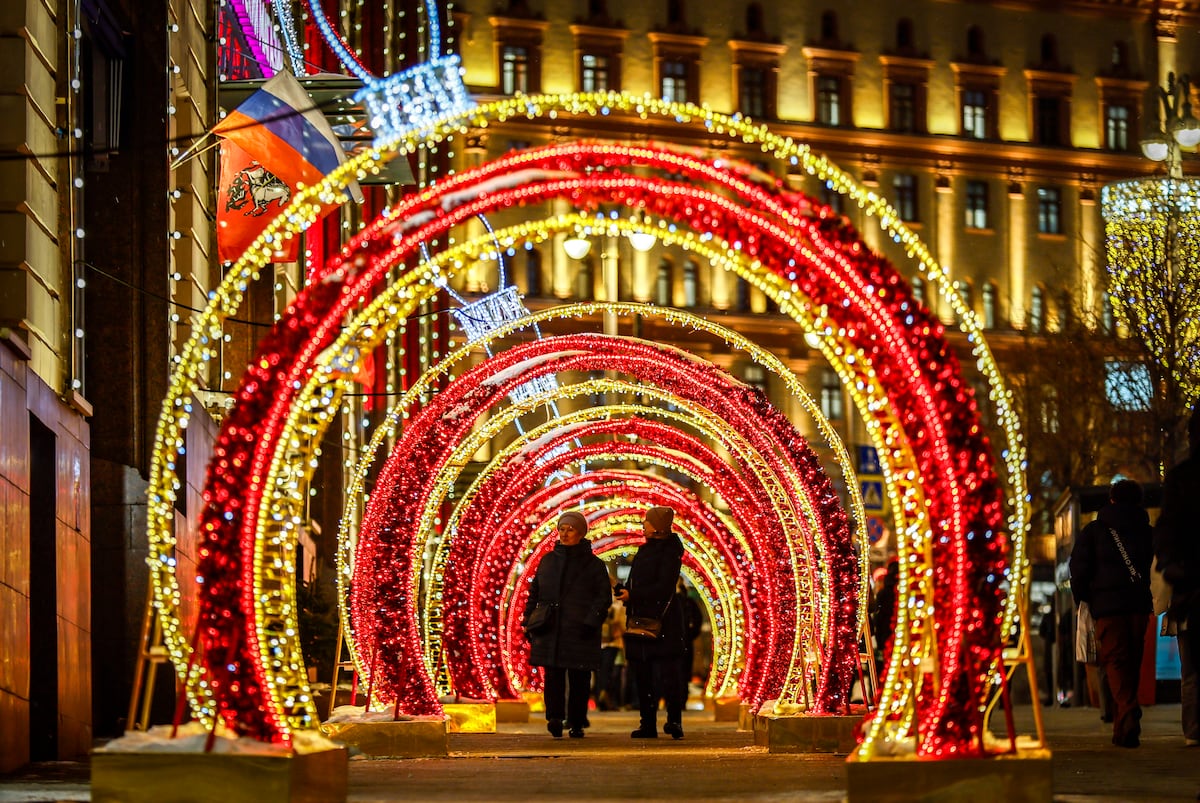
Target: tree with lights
point(1152, 228)
point(1085, 399)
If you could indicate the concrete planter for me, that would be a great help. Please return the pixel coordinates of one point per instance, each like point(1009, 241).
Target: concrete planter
point(1024, 777)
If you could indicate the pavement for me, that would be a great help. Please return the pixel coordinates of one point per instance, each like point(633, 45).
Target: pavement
point(713, 762)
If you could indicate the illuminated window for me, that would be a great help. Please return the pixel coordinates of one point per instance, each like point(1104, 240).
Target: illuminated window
point(677, 63)
point(988, 297)
point(1049, 210)
point(600, 47)
point(1108, 321)
point(674, 82)
point(1128, 386)
point(918, 289)
point(514, 70)
point(593, 72)
point(690, 283)
point(974, 114)
point(1116, 128)
point(977, 205)
point(1037, 311)
point(829, 100)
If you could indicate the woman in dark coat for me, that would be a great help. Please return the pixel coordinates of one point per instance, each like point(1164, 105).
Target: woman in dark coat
point(1110, 571)
point(572, 584)
point(651, 593)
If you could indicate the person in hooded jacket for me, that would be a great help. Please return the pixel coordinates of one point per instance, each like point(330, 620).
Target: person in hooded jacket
point(573, 584)
point(1110, 571)
point(650, 592)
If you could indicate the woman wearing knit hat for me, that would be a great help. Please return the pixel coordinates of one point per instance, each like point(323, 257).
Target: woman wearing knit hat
point(569, 598)
point(651, 593)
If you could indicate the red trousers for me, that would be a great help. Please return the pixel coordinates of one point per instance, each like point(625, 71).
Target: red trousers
point(1119, 642)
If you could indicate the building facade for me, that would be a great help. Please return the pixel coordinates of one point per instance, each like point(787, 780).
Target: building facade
point(989, 126)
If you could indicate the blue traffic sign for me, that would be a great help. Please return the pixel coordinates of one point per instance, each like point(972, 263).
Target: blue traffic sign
point(868, 460)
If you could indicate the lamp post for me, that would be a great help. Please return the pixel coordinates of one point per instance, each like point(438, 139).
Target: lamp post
point(1152, 244)
point(577, 247)
point(1179, 128)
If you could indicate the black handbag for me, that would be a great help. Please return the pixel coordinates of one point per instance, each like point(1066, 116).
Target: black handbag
point(541, 618)
point(643, 627)
point(646, 627)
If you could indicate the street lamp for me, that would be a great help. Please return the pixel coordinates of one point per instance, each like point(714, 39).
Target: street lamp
point(1179, 127)
point(577, 247)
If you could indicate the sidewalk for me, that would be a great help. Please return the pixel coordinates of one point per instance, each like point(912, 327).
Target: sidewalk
point(714, 762)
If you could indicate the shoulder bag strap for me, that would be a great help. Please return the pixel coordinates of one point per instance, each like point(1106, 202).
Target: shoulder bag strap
point(1134, 574)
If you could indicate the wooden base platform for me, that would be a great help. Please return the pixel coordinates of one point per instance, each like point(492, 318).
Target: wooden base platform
point(152, 777)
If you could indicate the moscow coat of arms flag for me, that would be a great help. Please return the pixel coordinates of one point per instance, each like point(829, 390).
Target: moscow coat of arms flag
point(275, 141)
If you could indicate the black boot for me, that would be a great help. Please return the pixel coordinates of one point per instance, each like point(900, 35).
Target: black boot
point(675, 729)
point(555, 727)
point(645, 733)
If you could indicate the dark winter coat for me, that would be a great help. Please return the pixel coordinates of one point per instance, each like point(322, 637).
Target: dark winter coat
point(1177, 538)
point(576, 581)
point(652, 580)
point(1099, 575)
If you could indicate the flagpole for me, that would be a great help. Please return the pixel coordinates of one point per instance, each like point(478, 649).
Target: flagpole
point(183, 157)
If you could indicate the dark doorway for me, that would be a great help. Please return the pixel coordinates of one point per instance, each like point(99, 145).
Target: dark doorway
point(43, 595)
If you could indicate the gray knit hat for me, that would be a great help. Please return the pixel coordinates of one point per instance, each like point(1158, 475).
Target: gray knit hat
point(575, 519)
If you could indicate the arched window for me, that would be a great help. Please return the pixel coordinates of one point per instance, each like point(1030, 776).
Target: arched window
point(676, 13)
point(690, 283)
point(754, 19)
point(533, 272)
point(1049, 49)
point(829, 26)
point(904, 35)
point(975, 42)
point(1037, 311)
point(988, 296)
point(663, 295)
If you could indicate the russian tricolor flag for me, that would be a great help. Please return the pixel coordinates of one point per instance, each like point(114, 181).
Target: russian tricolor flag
point(273, 142)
